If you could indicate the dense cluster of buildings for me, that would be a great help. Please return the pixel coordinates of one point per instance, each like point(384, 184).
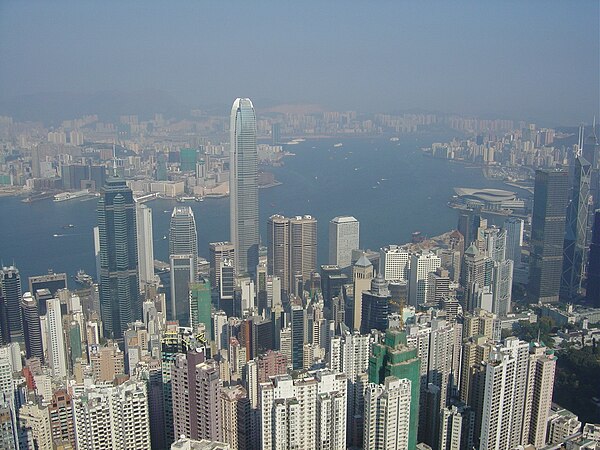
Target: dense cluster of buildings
point(183, 162)
point(523, 145)
point(259, 347)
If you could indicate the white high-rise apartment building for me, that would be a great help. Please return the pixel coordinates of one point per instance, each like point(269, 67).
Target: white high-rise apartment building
point(243, 185)
point(36, 418)
point(57, 358)
point(506, 376)
point(540, 385)
point(502, 280)
point(145, 243)
point(394, 263)
point(387, 415)
point(6, 370)
point(421, 265)
point(349, 354)
point(454, 428)
point(305, 413)
point(220, 330)
point(114, 417)
point(343, 238)
point(438, 345)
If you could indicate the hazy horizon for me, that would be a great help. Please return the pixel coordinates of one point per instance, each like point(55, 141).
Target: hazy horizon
point(536, 60)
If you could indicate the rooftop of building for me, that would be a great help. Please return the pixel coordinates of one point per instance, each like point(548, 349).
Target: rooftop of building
point(204, 444)
point(488, 195)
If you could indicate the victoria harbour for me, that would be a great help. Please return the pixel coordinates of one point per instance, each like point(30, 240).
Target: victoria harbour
point(391, 187)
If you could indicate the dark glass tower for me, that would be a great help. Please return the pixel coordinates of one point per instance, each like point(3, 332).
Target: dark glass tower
point(591, 152)
point(10, 282)
point(32, 327)
point(593, 278)
point(375, 306)
point(298, 319)
point(547, 234)
point(576, 233)
point(119, 283)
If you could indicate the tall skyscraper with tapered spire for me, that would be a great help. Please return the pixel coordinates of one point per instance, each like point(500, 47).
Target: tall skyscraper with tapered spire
point(243, 186)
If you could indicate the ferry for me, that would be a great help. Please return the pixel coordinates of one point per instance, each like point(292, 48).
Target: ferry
point(295, 141)
point(36, 197)
point(64, 196)
point(145, 197)
point(394, 139)
point(84, 278)
point(339, 144)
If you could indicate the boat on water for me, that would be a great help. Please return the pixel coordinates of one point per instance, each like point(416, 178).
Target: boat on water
point(36, 197)
point(66, 227)
point(84, 278)
point(64, 196)
point(394, 139)
point(339, 144)
point(57, 235)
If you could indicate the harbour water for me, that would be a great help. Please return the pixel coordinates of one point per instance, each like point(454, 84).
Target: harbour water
point(389, 186)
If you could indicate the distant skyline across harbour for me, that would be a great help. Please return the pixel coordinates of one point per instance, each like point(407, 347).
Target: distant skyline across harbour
point(388, 186)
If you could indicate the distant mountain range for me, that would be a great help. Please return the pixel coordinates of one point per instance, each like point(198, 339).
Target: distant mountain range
point(54, 107)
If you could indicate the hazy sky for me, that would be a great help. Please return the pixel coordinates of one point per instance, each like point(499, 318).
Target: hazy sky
point(523, 59)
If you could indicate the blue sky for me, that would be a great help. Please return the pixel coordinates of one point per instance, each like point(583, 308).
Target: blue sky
point(523, 59)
